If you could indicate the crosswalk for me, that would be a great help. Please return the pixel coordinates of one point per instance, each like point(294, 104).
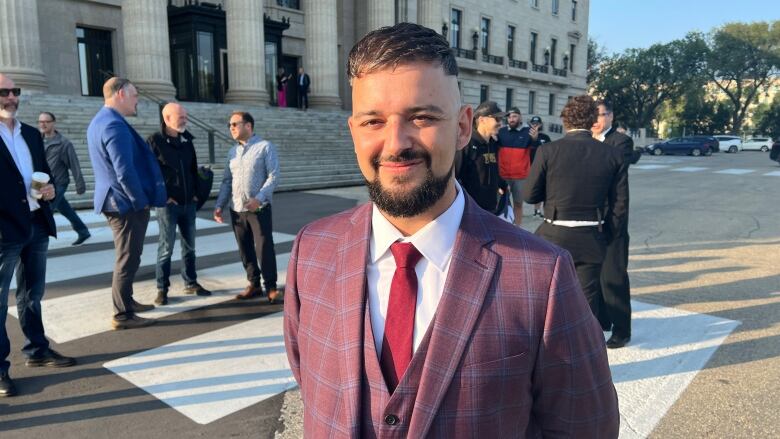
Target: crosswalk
point(678, 167)
point(210, 375)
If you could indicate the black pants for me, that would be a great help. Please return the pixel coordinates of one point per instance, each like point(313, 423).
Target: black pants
point(254, 235)
point(615, 288)
point(129, 232)
point(303, 100)
point(587, 246)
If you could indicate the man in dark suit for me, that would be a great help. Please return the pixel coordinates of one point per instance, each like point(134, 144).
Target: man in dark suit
point(304, 82)
point(128, 182)
point(584, 186)
point(420, 314)
point(615, 287)
point(26, 222)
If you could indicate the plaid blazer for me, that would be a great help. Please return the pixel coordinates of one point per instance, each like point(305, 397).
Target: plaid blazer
point(513, 350)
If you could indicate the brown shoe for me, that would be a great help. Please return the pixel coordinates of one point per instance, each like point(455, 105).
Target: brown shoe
point(141, 307)
point(132, 322)
point(249, 292)
point(274, 295)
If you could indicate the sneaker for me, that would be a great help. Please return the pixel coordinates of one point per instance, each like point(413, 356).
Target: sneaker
point(81, 239)
point(140, 307)
point(198, 289)
point(51, 358)
point(162, 297)
point(7, 387)
point(131, 322)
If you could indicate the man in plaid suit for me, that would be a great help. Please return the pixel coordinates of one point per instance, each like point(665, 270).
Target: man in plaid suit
point(420, 314)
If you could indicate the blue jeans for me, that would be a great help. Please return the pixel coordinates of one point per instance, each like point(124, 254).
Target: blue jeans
point(61, 205)
point(29, 259)
point(168, 218)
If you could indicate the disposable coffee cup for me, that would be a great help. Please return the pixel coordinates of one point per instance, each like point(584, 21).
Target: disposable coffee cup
point(39, 180)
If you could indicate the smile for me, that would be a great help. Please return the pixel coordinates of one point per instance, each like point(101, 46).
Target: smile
point(400, 167)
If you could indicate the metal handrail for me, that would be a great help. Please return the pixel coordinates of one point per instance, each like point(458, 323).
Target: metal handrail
point(210, 130)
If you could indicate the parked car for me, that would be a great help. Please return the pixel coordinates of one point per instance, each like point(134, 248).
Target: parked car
point(729, 143)
point(757, 144)
point(690, 145)
point(774, 154)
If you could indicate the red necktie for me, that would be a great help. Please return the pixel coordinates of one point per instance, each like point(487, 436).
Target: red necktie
point(399, 325)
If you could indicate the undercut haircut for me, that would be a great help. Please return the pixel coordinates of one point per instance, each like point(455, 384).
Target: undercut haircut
point(112, 86)
point(245, 117)
point(580, 112)
point(405, 43)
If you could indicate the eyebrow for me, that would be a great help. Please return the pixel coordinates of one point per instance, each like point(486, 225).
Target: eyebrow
point(412, 110)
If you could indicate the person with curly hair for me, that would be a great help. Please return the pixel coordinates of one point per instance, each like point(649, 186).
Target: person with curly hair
point(584, 186)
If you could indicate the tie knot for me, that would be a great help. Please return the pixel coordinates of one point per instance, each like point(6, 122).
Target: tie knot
point(405, 254)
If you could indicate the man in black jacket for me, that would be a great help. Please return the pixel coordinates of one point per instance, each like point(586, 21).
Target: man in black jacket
point(26, 223)
point(584, 186)
point(175, 153)
point(476, 165)
point(615, 288)
point(304, 82)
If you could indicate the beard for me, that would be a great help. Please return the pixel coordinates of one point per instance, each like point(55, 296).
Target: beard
point(415, 201)
point(8, 111)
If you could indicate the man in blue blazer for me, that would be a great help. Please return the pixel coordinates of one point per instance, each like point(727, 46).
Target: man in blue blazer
point(26, 223)
point(128, 182)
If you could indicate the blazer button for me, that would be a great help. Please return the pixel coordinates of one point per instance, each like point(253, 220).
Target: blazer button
point(391, 419)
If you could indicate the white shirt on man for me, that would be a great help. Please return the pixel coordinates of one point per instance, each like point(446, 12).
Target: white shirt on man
point(20, 152)
point(435, 242)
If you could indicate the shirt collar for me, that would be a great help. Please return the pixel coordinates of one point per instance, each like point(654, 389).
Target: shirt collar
point(434, 241)
point(15, 130)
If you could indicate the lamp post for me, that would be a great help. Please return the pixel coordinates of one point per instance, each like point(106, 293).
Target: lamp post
point(547, 56)
point(444, 29)
point(475, 38)
point(566, 61)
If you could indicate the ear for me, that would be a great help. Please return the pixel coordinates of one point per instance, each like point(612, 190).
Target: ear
point(465, 121)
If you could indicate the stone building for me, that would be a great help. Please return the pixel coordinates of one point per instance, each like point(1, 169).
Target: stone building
point(525, 53)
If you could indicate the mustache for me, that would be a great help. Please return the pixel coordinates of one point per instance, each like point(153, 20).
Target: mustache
point(405, 156)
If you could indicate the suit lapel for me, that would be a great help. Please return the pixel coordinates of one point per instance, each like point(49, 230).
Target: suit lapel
point(351, 260)
point(32, 138)
point(468, 281)
point(7, 154)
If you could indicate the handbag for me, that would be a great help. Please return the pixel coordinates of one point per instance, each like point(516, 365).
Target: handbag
point(203, 185)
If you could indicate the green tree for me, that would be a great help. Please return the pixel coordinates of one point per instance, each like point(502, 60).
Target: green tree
point(638, 81)
point(742, 59)
point(700, 114)
point(596, 54)
point(767, 118)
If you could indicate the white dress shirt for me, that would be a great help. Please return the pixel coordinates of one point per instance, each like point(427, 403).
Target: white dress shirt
point(22, 157)
point(435, 242)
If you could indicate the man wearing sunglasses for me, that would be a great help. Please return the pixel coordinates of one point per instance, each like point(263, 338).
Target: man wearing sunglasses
point(250, 177)
point(128, 182)
point(26, 222)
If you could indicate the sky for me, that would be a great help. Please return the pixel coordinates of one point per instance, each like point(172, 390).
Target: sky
point(622, 24)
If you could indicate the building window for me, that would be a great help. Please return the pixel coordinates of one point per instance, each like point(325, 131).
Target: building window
point(292, 4)
point(531, 101)
point(510, 42)
point(553, 50)
point(95, 59)
point(555, 7)
point(573, 10)
point(534, 38)
point(485, 35)
point(572, 48)
point(455, 28)
point(483, 93)
point(510, 94)
point(535, 4)
point(551, 105)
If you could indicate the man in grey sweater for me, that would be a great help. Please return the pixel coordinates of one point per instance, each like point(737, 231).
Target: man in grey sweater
point(62, 157)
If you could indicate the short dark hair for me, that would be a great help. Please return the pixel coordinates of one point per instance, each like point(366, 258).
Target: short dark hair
point(607, 105)
point(245, 117)
point(51, 115)
point(579, 113)
point(113, 85)
point(404, 43)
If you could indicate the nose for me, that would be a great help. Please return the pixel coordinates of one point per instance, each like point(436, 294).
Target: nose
point(397, 137)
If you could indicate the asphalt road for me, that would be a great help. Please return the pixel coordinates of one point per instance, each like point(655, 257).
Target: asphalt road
point(705, 238)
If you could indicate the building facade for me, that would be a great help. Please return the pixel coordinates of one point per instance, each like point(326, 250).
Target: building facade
point(525, 53)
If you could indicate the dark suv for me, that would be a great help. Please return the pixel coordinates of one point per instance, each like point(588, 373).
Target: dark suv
point(690, 145)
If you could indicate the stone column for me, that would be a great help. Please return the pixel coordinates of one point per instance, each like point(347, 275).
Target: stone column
point(321, 62)
point(380, 13)
point(246, 52)
point(20, 44)
point(429, 14)
point(147, 46)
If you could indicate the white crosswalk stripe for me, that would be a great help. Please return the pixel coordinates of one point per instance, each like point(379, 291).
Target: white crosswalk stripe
point(735, 171)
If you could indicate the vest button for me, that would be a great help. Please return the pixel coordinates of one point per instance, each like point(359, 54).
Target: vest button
point(391, 419)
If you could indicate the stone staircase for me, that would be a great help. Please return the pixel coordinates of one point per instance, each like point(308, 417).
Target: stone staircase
point(315, 148)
